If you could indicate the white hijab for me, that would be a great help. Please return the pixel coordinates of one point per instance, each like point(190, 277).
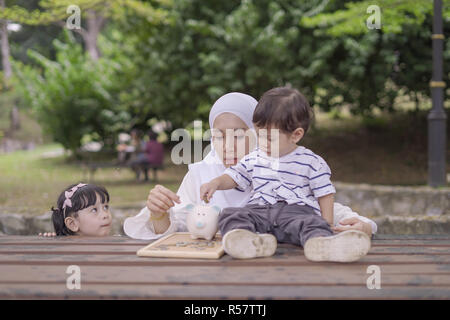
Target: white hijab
point(243, 106)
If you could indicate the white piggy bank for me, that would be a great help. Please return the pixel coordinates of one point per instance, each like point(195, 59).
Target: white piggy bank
point(202, 221)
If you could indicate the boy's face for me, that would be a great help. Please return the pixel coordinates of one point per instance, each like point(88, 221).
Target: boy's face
point(93, 221)
point(276, 143)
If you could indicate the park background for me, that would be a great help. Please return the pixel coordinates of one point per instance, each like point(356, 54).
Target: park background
point(136, 64)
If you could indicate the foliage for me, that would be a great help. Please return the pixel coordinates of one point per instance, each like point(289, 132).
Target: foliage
point(56, 10)
point(73, 96)
point(175, 70)
point(400, 52)
point(247, 46)
point(396, 15)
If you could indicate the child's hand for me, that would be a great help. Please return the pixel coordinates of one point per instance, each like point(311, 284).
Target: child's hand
point(207, 190)
point(353, 223)
point(47, 234)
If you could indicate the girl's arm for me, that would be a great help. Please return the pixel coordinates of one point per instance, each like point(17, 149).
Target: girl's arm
point(223, 182)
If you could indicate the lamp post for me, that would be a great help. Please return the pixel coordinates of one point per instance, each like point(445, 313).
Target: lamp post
point(437, 117)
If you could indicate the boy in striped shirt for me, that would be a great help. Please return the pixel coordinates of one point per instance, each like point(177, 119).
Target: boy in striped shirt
point(292, 194)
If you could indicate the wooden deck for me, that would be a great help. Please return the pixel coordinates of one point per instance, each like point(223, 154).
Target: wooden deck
point(412, 267)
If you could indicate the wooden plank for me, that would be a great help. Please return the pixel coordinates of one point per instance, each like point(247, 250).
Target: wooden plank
point(416, 268)
point(70, 239)
point(411, 236)
point(132, 249)
point(318, 275)
point(34, 240)
point(411, 243)
point(133, 244)
point(72, 249)
point(65, 243)
point(386, 250)
point(146, 291)
point(283, 252)
point(125, 239)
point(279, 259)
point(21, 241)
point(376, 243)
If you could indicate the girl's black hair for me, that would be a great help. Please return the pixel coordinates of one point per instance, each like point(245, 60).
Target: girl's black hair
point(82, 198)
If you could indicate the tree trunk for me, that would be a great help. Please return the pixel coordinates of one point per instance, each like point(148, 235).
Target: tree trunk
point(95, 23)
point(7, 72)
point(15, 119)
point(6, 63)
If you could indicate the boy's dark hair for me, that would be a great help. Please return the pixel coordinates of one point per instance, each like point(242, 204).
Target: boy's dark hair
point(283, 108)
point(82, 198)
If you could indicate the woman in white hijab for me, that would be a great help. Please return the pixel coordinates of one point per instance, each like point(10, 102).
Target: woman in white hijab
point(230, 117)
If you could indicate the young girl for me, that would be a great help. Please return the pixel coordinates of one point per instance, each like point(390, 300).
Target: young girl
point(82, 209)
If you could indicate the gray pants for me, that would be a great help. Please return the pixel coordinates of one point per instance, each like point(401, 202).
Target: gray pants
point(290, 223)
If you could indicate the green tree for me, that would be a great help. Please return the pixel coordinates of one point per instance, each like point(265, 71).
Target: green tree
point(74, 96)
point(400, 52)
point(223, 46)
point(351, 18)
point(84, 96)
point(95, 12)
point(4, 41)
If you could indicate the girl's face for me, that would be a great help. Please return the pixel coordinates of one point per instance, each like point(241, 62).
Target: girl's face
point(231, 138)
point(93, 221)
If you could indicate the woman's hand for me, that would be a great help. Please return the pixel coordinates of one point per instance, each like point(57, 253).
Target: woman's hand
point(160, 200)
point(207, 190)
point(353, 224)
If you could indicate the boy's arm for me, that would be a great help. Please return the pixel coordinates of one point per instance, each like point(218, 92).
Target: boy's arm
point(223, 182)
point(326, 204)
point(323, 189)
point(235, 176)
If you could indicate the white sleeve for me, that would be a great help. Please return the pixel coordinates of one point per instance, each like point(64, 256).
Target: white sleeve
point(342, 212)
point(140, 226)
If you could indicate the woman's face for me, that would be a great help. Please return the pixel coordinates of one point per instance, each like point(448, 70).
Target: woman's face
point(231, 138)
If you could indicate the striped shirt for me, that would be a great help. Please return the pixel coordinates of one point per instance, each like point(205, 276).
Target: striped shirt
point(300, 177)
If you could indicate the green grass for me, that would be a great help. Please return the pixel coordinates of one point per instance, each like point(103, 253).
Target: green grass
point(30, 183)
